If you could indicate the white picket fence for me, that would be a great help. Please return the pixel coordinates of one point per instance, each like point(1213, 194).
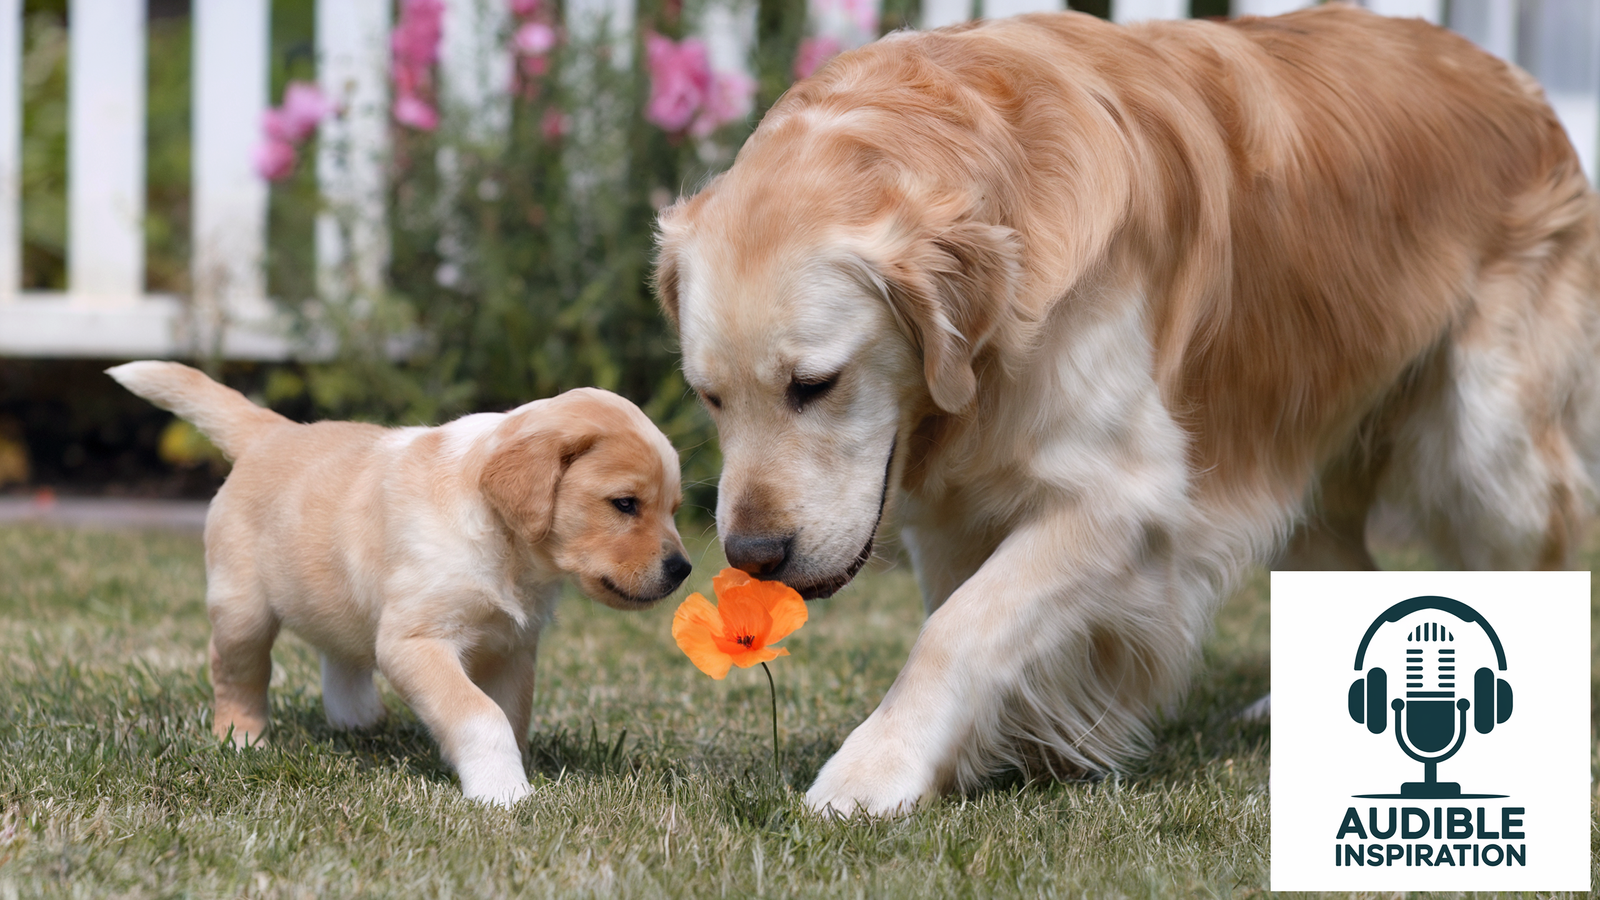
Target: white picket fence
point(106, 311)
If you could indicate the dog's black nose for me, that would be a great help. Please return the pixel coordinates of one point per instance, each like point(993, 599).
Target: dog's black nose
point(676, 568)
point(761, 555)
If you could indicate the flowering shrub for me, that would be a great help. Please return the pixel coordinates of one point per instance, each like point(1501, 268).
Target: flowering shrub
point(285, 127)
point(685, 94)
point(415, 46)
point(519, 263)
point(814, 51)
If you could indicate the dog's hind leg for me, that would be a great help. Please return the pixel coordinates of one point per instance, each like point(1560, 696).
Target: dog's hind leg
point(349, 697)
point(1498, 462)
point(243, 629)
point(1333, 535)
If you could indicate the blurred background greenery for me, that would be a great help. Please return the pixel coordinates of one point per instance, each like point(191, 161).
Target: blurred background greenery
point(508, 286)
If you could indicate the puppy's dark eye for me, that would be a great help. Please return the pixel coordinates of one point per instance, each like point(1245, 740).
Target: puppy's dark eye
point(628, 506)
point(711, 400)
point(803, 393)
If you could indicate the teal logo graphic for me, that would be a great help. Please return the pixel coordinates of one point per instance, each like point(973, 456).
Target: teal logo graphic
point(1430, 721)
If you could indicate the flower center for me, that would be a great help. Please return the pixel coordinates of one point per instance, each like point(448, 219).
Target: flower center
point(745, 640)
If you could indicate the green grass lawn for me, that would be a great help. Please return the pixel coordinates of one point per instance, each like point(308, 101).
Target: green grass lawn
point(650, 779)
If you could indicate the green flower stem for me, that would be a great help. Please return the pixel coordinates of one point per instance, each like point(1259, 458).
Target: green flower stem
point(774, 689)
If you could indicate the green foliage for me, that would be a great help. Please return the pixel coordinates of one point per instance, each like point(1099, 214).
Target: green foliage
point(44, 150)
point(520, 259)
point(45, 58)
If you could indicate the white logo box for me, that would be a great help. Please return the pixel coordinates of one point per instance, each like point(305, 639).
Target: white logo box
point(1537, 758)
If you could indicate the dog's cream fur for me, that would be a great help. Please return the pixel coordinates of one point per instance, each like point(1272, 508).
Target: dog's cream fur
point(433, 555)
point(1116, 312)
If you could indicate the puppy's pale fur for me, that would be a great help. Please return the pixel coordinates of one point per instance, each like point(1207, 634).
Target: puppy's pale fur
point(1116, 312)
point(434, 555)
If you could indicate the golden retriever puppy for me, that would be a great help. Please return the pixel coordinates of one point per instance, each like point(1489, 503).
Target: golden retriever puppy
point(1113, 313)
point(433, 555)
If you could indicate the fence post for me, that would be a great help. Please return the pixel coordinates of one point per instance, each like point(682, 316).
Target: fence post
point(352, 155)
point(106, 153)
point(939, 13)
point(1268, 7)
point(230, 86)
point(1491, 24)
point(729, 30)
point(475, 69)
point(851, 22)
point(595, 152)
point(1431, 10)
point(590, 20)
point(1139, 10)
point(1558, 42)
point(10, 149)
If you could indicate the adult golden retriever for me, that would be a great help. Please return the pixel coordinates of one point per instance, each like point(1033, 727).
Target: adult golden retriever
point(1114, 313)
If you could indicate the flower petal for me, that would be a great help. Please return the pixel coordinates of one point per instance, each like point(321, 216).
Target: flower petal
point(729, 578)
point(696, 626)
point(788, 612)
point(743, 615)
point(747, 658)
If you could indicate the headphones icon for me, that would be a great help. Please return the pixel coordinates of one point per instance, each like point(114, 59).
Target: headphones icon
point(1491, 696)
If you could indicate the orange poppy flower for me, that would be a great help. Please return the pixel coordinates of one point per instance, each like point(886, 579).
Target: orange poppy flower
point(751, 616)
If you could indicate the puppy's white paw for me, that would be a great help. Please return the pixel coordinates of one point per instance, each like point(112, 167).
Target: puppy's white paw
point(504, 792)
point(872, 775)
point(489, 763)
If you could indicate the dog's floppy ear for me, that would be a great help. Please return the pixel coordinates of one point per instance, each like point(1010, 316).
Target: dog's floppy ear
point(665, 278)
point(953, 291)
point(666, 284)
point(521, 476)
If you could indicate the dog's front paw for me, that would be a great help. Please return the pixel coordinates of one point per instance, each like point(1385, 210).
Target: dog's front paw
point(874, 775)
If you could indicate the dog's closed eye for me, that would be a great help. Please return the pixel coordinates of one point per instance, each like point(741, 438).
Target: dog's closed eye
point(802, 393)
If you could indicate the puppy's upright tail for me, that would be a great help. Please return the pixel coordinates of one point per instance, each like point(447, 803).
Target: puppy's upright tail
point(221, 413)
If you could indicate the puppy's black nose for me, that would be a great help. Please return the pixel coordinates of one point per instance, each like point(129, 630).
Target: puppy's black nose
point(761, 555)
point(676, 569)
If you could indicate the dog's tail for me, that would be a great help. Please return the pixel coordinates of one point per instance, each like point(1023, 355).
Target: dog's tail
point(221, 413)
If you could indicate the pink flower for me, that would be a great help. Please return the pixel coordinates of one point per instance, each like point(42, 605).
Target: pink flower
point(731, 98)
point(680, 80)
point(415, 112)
point(415, 40)
point(274, 159)
point(535, 66)
point(415, 44)
point(863, 12)
point(303, 110)
point(553, 124)
point(409, 79)
point(277, 126)
point(534, 39)
point(813, 52)
point(523, 9)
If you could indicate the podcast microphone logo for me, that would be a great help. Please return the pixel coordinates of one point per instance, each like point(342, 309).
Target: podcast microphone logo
point(1430, 720)
point(1459, 789)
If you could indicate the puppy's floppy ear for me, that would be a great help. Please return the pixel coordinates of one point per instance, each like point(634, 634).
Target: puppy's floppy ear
point(953, 291)
point(521, 477)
